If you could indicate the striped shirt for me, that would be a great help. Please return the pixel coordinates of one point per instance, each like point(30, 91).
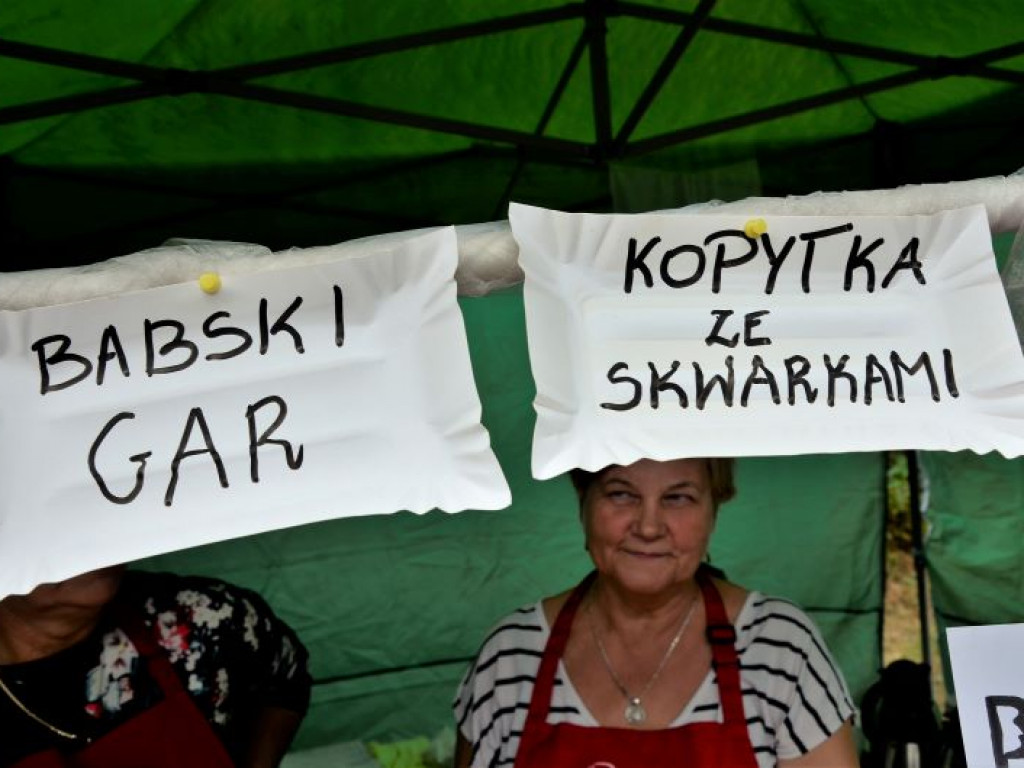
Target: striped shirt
point(794, 695)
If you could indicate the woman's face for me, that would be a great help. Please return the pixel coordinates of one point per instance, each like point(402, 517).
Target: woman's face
point(648, 524)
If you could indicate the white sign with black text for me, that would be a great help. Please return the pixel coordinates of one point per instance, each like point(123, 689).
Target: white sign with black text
point(672, 335)
point(988, 676)
point(169, 418)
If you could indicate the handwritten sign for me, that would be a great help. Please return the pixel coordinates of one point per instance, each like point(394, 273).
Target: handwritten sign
point(988, 676)
point(169, 418)
point(670, 335)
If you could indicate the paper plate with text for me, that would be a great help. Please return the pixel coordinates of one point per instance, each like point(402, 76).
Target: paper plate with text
point(168, 418)
point(675, 335)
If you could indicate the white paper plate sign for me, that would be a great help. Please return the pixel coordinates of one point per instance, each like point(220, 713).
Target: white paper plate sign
point(988, 677)
point(668, 335)
point(169, 418)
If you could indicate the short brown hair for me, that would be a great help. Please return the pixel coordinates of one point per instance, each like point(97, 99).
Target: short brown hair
point(720, 476)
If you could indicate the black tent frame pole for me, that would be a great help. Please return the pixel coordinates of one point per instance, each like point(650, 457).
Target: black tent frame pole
point(310, 102)
point(147, 73)
point(597, 34)
point(404, 42)
point(968, 66)
point(661, 75)
point(549, 110)
point(80, 102)
point(794, 107)
point(917, 548)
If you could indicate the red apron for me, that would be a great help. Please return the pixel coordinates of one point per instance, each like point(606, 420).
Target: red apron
point(700, 745)
point(171, 734)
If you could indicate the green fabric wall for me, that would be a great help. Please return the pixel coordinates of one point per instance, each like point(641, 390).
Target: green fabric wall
point(393, 607)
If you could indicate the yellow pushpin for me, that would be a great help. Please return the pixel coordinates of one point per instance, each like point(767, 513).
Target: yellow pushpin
point(755, 228)
point(209, 282)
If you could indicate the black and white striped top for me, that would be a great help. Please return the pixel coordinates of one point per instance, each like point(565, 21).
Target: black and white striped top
point(794, 695)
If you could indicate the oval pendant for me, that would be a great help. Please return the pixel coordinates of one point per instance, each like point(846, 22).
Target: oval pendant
point(635, 713)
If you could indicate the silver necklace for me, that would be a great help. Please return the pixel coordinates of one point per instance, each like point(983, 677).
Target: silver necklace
point(635, 713)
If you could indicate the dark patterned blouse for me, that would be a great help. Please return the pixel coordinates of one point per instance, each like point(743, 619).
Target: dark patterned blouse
point(231, 653)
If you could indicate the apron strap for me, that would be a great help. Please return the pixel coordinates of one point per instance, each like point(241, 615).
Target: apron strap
point(540, 702)
point(144, 640)
point(722, 637)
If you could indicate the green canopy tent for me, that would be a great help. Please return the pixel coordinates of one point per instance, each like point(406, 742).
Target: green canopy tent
point(293, 123)
point(124, 123)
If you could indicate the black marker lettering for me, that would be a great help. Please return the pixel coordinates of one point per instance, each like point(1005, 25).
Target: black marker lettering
point(110, 349)
point(714, 337)
point(727, 385)
point(281, 324)
point(212, 333)
point(292, 457)
point(635, 261)
point(60, 356)
point(339, 317)
point(876, 373)
point(810, 238)
point(834, 373)
point(750, 322)
point(859, 259)
point(907, 260)
point(721, 262)
point(138, 458)
point(773, 260)
point(178, 342)
point(698, 271)
point(614, 378)
point(947, 363)
point(992, 705)
point(925, 362)
point(660, 382)
point(195, 416)
point(796, 376)
point(757, 364)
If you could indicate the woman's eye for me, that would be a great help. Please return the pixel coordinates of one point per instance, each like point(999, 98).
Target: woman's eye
point(675, 499)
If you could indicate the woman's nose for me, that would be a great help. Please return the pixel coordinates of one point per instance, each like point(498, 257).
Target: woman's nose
point(650, 522)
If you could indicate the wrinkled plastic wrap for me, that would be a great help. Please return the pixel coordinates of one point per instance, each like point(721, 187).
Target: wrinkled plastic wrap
point(1013, 280)
point(488, 255)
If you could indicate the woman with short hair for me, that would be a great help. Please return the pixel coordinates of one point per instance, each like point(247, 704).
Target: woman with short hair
point(653, 659)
